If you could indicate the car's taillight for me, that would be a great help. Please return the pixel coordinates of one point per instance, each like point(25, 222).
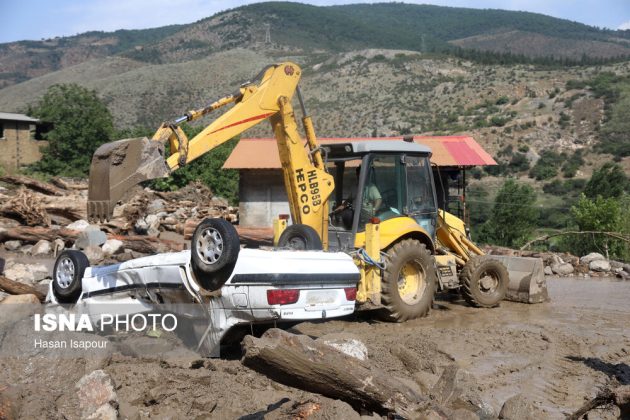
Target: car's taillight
point(351, 293)
point(282, 296)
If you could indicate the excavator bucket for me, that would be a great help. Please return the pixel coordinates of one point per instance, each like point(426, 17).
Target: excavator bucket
point(118, 166)
point(527, 279)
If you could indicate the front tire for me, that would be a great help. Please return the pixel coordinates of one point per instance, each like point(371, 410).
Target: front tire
point(484, 282)
point(68, 275)
point(409, 281)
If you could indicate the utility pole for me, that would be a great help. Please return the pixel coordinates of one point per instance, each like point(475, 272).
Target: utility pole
point(267, 33)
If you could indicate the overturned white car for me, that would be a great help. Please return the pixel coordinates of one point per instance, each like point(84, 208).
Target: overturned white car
point(216, 284)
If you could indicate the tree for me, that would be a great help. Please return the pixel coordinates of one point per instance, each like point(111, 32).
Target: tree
point(81, 124)
point(607, 181)
point(599, 215)
point(513, 216)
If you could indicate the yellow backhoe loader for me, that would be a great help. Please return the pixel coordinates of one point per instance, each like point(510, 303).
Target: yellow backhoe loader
point(404, 246)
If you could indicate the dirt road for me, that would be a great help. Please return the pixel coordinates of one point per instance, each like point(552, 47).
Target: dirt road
point(558, 353)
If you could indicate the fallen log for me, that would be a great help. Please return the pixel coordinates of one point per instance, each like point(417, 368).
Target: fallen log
point(16, 288)
point(62, 183)
point(142, 244)
point(33, 184)
point(301, 362)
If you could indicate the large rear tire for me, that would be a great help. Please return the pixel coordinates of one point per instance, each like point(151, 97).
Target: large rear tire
point(484, 282)
point(214, 250)
point(301, 238)
point(409, 281)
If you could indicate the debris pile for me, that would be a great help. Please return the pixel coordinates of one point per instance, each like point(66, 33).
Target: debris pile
point(40, 219)
point(563, 264)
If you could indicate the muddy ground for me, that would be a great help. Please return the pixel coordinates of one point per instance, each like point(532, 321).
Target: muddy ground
point(558, 353)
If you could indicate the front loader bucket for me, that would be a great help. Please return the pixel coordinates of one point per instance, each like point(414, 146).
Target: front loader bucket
point(527, 279)
point(118, 166)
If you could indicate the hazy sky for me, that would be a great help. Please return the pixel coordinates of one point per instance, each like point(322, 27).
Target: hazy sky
point(36, 19)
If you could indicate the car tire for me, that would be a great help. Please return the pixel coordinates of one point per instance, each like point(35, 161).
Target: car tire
point(409, 281)
point(68, 275)
point(214, 250)
point(484, 282)
point(301, 238)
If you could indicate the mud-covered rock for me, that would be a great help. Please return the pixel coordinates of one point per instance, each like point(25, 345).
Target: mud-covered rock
point(90, 237)
point(94, 391)
point(18, 299)
point(25, 273)
point(593, 256)
point(42, 247)
point(563, 269)
point(12, 245)
point(80, 225)
point(599, 265)
point(112, 246)
point(519, 407)
point(458, 388)
point(94, 254)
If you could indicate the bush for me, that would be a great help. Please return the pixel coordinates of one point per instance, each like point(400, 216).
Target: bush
point(547, 166)
point(607, 181)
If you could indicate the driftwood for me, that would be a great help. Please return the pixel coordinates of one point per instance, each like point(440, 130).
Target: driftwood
point(142, 244)
point(301, 362)
point(619, 396)
point(33, 184)
point(62, 183)
point(615, 235)
point(25, 208)
point(16, 288)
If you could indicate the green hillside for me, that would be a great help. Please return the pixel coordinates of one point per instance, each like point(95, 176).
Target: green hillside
point(304, 29)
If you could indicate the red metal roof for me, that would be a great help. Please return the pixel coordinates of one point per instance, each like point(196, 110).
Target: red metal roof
point(262, 153)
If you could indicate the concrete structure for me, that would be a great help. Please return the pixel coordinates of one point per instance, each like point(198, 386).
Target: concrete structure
point(262, 195)
point(20, 140)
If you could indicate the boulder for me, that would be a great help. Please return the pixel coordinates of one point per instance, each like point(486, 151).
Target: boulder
point(599, 265)
point(458, 388)
point(42, 247)
point(112, 246)
point(94, 254)
point(519, 407)
point(593, 256)
point(12, 245)
point(25, 273)
point(26, 249)
point(153, 223)
point(548, 271)
point(563, 269)
point(141, 226)
point(155, 206)
point(80, 225)
point(90, 237)
point(346, 343)
point(94, 391)
point(13, 299)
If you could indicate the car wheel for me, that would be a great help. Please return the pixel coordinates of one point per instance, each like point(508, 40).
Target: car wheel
point(214, 251)
point(300, 237)
point(484, 282)
point(68, 275)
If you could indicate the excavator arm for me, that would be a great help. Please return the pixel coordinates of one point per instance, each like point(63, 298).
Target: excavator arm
point(118, 166)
